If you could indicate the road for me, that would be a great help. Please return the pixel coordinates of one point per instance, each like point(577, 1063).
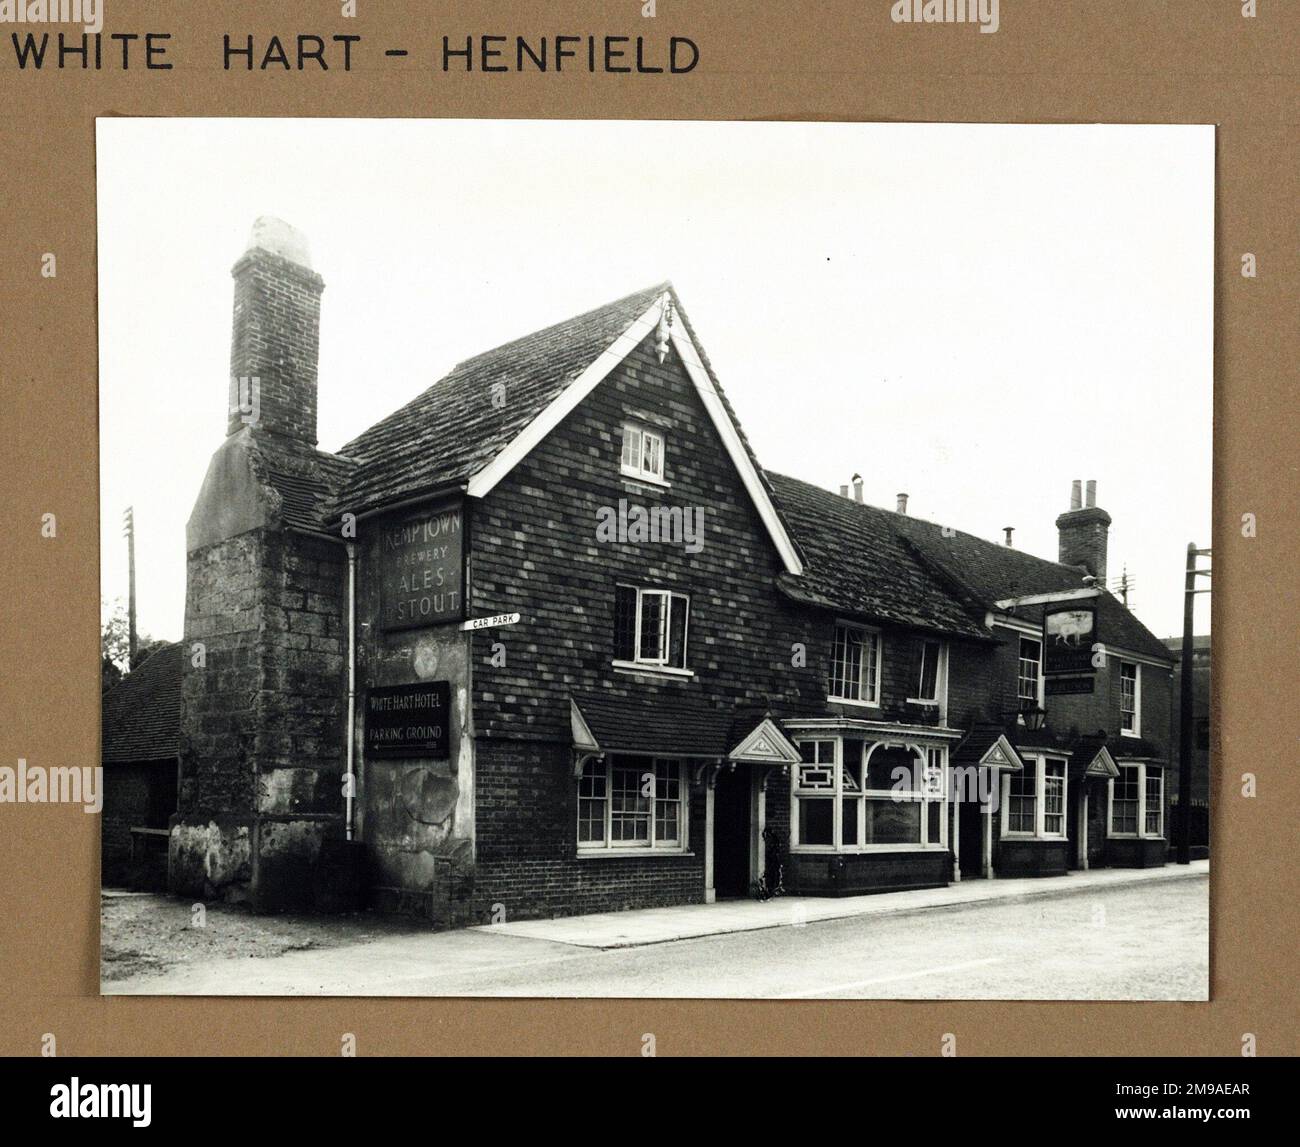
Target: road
point(1142, 942)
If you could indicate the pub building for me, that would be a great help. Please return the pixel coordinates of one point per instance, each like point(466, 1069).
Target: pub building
point(421, 675)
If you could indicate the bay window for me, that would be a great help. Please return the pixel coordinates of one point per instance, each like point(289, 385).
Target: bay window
point(650, 627)
point(851, 796)
point(627, 802)
point(1034, 799)
point(1137, 800)
point(855, 665)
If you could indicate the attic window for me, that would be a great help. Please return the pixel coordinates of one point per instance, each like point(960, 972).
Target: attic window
point(643, 453)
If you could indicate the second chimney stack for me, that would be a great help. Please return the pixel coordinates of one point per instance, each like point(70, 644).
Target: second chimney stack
point(1083, 531)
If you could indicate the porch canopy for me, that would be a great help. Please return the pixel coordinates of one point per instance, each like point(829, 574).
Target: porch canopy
point(664, 727)
point(987, 745)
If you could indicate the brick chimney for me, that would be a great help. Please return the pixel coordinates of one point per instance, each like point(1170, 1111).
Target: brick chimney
point(275, 338)
point(1083, 531)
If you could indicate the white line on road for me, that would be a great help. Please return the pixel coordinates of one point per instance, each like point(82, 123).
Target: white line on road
point(854, 985)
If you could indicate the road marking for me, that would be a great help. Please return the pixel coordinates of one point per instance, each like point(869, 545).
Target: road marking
point(812, 992)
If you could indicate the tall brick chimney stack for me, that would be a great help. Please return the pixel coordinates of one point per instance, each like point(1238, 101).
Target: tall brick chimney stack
point(275, 338)
point(1083, 531)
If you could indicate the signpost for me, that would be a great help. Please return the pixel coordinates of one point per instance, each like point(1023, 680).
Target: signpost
point(490, 622)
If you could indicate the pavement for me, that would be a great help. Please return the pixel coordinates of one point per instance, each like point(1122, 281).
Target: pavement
point(1107, 935)
point(684, 922)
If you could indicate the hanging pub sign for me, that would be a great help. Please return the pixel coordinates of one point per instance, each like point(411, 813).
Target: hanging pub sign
point(422, 569)
point(409, 720)
point(1069, 633)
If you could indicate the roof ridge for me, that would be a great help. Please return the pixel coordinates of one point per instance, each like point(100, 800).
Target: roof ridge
point(896, 517)
point(464, 366)
point(609, 305)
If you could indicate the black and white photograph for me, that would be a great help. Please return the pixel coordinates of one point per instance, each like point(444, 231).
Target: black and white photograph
point(655, 558)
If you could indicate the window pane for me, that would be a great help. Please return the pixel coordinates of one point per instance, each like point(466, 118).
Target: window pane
point(629, 807)
point(846, 664)
point(1155, 801)
point(1027, 675)
point(1054, 798)
point(934, 813)
point(882, 770)
point(816, 821)
point(591, 803)
point(871, 683)
point(849, 821)
point(625, 622)
point(668, 796)
point(1124, 804)
point(631, 448)
point(652, 458)
point(1128, 696)
point(677, 610)
point(652, 626)
point(1022, 799)
point(928, 688)
point(892, 822)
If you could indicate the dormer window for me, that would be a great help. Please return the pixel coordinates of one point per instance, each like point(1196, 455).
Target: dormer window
point(643, 453)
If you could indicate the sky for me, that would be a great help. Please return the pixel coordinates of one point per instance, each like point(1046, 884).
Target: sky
point(971, 314)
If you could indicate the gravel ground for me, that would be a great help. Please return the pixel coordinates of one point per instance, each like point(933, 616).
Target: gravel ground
point(144, 935)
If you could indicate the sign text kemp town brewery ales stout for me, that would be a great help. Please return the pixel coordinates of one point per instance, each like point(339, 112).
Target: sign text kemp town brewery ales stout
point(422, 564)
point(408, 720)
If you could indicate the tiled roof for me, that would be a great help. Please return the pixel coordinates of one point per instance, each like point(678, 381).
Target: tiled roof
point(990, 572)
point(452, 430)
point(307, 480)
point(657, 725)
point(857, 563)
point(142, 712)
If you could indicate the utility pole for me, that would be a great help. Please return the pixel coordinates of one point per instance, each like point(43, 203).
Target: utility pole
point(128, 528)
point(1186, 719)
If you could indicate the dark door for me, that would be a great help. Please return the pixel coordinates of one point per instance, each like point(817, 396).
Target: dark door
point(731, 833)
point(970, 828)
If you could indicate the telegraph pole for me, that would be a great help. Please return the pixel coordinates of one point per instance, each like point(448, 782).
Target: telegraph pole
point(1185, 716)
point(128, 528)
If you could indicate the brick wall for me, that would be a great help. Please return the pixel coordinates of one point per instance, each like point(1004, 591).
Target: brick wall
point(527, 861)
point(275, 338)
point(535, 552)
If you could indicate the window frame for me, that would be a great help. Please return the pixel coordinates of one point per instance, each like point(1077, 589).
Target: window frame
point(659, 663)
point(871, 640)
point(648, 766)
point(934, 757)
point(1040, 764)
point(940, 698)
point(1021, 661)
point(639, 472)
point(1135, 729)
point(1141, 832)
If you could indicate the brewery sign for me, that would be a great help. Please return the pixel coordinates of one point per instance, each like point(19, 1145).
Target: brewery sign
point(422, 569)
point(409, 720)
point(1069, 633)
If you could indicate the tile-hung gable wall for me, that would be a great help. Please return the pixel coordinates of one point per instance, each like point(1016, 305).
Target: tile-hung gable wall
point(535, 551)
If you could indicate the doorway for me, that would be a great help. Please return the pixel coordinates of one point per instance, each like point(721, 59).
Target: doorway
point(970, 839)
point(731, 830)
